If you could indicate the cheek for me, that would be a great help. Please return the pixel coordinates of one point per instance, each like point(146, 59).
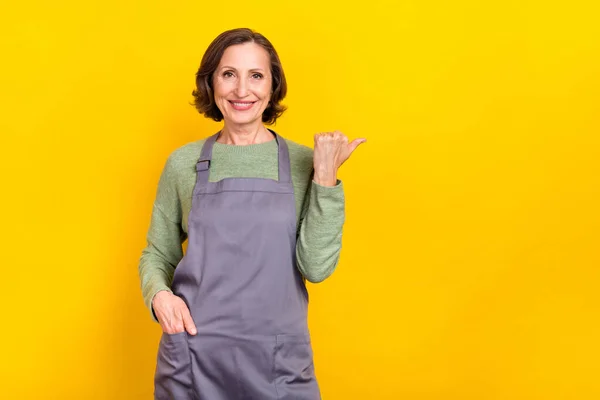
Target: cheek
point(218, 90)
point(263, 90)
point(221, 88)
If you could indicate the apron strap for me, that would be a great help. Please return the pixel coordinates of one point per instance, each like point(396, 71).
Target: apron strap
point(203, 164)
point(283, 159)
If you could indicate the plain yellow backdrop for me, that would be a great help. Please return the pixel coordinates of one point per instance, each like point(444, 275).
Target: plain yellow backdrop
point(470, 262)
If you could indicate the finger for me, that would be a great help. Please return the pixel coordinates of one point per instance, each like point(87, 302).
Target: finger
point(322, 135)
point(355, 143)
point(175, 326)
point(171, 320)
point(337, 134)
point(165, 322)
point(188, 322)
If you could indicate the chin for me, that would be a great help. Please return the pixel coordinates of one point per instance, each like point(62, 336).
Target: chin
point(241, 121)
point(244, 119)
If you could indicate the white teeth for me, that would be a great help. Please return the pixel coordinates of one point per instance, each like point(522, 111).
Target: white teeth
point(242, 104)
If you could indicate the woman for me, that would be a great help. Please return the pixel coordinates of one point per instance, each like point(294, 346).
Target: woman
point(261, 215)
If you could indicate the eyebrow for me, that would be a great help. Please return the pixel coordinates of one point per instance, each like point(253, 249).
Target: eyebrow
point(251, 69)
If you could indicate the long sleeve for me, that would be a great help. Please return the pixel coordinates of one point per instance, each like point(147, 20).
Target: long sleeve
point(164, 241)
point(320, 231)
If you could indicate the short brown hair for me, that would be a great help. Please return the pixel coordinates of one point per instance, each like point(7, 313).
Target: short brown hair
point(204, 100)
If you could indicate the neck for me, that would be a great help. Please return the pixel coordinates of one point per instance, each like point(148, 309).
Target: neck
point(244, 135)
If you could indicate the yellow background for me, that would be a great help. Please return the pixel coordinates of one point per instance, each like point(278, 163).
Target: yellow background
point(470, 267)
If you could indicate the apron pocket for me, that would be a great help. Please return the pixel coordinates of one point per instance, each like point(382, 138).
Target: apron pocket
point(253, 370)
point(294, 368)
point(173, 375)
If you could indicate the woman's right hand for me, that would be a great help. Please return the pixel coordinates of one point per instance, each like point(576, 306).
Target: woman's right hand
point(172, 313)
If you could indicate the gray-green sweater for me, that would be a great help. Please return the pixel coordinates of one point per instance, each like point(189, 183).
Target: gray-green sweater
point(319, 209)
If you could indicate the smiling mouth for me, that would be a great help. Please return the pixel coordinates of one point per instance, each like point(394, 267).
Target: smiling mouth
point(241, 105)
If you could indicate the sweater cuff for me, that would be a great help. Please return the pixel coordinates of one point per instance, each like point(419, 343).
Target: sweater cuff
point(328, 190)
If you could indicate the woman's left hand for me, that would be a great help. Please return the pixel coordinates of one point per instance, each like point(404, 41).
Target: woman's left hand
point(331, 150)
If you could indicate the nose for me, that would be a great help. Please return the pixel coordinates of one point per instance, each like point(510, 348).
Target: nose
point(241, 89)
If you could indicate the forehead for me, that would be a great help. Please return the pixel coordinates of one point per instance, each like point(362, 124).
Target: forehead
point(245, 56)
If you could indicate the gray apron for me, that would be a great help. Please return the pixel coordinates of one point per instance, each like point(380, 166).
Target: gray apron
point(246, 296)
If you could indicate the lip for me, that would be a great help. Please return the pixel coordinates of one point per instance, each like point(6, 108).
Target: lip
point(246, 105)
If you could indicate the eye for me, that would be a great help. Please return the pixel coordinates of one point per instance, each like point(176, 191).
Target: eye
point(257, 75)
point(227, 74)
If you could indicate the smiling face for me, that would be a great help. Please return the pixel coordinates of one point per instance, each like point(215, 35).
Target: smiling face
point(242, 84)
